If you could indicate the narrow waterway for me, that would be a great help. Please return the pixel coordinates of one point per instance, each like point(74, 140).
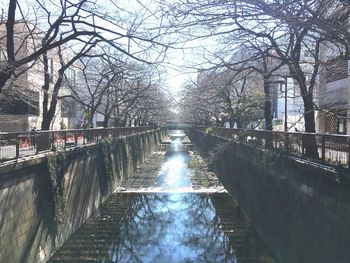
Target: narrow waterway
point(181, 213)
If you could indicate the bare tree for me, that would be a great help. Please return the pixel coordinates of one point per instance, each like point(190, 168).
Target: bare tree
point(287, 28)
point(224, 96)
point(94, 78)
point(122, 91)
point(144, 102)
point(50, 102)
point(47, 25)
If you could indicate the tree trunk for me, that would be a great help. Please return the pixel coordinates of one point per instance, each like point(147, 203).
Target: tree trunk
point(105, 121)
point(267, 112)
point(117, 122)
point(50, 114)
point(123, 123)
point(267, 106)
point(239, 123)
point(107, 110)
point(90, 119)
point(45, 124)
point(309, 141)
point(6, 73)
point(4, 77)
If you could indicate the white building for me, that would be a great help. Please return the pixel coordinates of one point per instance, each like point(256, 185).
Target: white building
point(295, 108)
point(22, 99)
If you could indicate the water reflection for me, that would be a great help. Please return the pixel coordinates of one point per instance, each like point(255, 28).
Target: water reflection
point(174, 173)
point(177, 134)
point(171, 175)
point(165, 227)
point(171, 228)
point(176, 147)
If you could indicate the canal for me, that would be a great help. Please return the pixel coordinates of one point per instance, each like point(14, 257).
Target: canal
point(172, 210)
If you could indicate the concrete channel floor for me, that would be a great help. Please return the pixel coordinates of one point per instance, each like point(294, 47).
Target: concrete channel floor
point(171, 210)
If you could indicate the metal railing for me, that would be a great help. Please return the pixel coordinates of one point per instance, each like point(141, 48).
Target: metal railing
point(14, 145)
point(333, 149)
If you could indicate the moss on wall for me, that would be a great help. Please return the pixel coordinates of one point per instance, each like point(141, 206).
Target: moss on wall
point(106, 147)
point(57, 164)
point(51, 195)
point(136, 152)
point(121, 154)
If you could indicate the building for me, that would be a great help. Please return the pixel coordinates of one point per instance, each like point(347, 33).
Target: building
point(334, 97)
point(21, 101)
point(294, 101)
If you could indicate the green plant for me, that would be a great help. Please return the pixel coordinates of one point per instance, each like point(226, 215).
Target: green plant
point(208, 130)
point(56, 166)
point(106, 146)
point(272, 157)
point(135, 143)
point(63, 125)
point(121, 152)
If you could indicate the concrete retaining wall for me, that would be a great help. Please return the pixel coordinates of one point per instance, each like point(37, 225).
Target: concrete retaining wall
point(44, 199)
point(301, 210)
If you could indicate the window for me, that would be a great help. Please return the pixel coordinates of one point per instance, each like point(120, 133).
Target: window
point(342, 122)
point(331, 123)
point(50, 68)
point(342, 126)
point(70, 75)
point(68, 108)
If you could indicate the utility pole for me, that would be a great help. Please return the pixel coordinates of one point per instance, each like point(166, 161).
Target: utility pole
point(285, 104)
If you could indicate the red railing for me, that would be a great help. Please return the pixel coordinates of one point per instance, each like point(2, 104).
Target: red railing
point(14, 145)
point(332, 149)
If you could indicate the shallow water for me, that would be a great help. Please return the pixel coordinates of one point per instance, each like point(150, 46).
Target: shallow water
point(171, 226)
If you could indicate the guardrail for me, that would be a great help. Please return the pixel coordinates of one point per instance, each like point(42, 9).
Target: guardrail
point(332, 149)
point(14, 145)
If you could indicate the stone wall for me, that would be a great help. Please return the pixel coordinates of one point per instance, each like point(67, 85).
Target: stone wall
point(44, 199)
point(300, 209)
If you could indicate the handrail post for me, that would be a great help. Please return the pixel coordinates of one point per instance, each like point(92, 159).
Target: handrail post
point(323, 149)
point(75, 138)
point(302, 145)
point(17, 147)
point(36, 143)
point(105, 133)
point(348, 141)
point(65, 139)
point(52, 140)
point(286, 134)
